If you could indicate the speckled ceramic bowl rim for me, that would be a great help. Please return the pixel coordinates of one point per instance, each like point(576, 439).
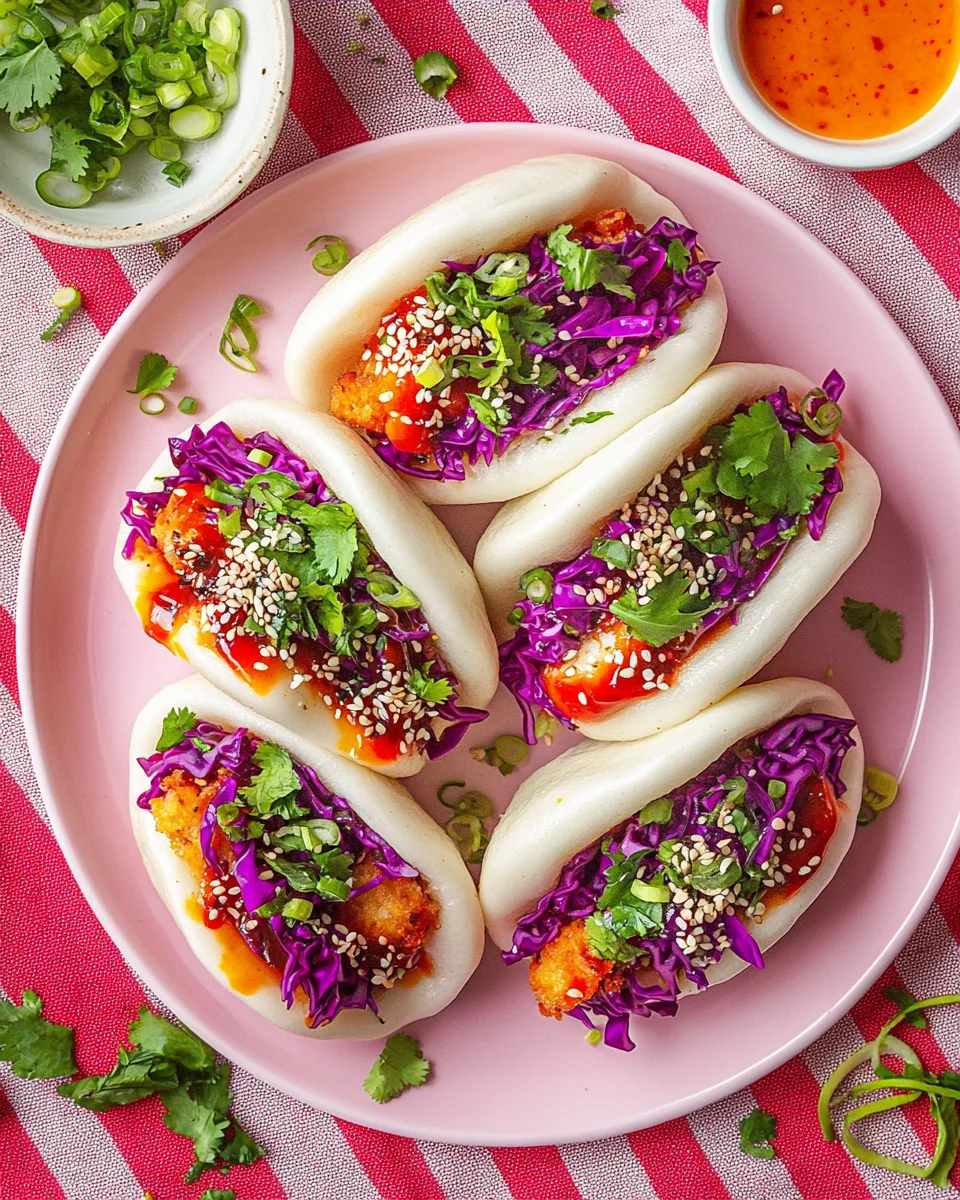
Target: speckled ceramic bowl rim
point(240, 175)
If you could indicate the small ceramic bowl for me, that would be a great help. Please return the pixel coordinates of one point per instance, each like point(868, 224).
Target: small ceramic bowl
point(930, 130)
point(140, 205)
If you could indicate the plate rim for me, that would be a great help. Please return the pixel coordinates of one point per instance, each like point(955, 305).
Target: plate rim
point(381, 1119)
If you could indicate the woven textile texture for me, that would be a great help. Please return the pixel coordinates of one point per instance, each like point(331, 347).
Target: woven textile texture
point(648, 76)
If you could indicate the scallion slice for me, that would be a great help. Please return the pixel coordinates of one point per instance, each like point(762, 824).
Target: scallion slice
point(61, 191)
point(538, 585)
point(194, 123)
point(26, 122)
point(825, 418)
point(263, 458)
point(153, 404)
point(67, 300)
point(391, 592)
point(239, 340)
point(511, 749)
point(332, 256)
point(435, 72)
point(188, 405)
point(297, 910)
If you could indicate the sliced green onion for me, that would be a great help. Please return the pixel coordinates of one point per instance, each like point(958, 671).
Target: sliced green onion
point(297, 910)
point(824, 420)
point(223, 85)
point(468, 834)
point(430, 374)
point(545, 727)
point(195, 13)
point(188, 405)
point(139, 128)
point(174, 95)
point(110, 18)
point(879, 789)
point(67, 301)
point(504, 269)
point(263, 458)
point(26, 122)
point(593, 1037)
point(96, 64)
point(511, 749)
point(776, 789)
point(391, 592)
point(515, 616)
point(60, 190)
point(239, 340)
point(435, 72)
point(166, 149)
point(332, 889)
point(332, 256)
point(194, 123)
point(153, 404)
point(171, 66)
point(650, 891)
point(224, 29)
point(143, 106)
point(538, 585)
point(325, 832)
point(445, 788)
point(199, 86)
point(474, 804)
point(891, 1045)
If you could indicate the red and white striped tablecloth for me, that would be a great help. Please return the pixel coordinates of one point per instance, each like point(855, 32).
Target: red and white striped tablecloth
point(647, 76)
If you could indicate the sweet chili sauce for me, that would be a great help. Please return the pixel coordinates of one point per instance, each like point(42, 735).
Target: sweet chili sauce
point(851, 69)
point(814, 824)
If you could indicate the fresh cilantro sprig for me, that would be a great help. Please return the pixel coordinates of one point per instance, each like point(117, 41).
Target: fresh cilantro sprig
point(176, 725)
point(431, 691)
point(170, 1061)
point(29, 80)
point(69, 151)
point(626, 908)
point(399, 1065)
point(667, 611)
point(218, 1194)
point(583, 268)
point(275, 780)
point(678, 256)
point(35, 1047)
point(604, 9)
point(757, 1130)
point(882, 627)
point(154, 374)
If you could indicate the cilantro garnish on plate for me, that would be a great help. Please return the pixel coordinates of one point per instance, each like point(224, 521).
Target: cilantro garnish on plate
point(882, 627)
point(399, 1065)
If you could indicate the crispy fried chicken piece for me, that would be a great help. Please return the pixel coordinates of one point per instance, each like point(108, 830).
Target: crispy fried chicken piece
point(565, 965)
point(356, 399)
point(401, 910)
point(179, 811)
point(185, 521)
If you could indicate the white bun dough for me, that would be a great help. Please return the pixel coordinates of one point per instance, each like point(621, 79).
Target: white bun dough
point(559, 522)
point(413, 543)
point(385, 805)
point(502, 211)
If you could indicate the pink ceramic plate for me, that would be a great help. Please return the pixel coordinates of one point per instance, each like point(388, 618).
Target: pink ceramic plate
point(504, 1075)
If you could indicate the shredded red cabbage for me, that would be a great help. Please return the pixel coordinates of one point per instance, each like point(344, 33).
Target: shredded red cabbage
point(547, 630)
point(331, 980)
point(204, 456)
point(790, 754)
point(581, 352)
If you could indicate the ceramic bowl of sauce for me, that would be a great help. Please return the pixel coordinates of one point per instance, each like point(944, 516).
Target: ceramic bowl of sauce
point(848, 83)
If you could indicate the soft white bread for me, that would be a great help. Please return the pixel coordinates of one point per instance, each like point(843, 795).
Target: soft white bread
point(414, 544)
point(385, 805)
point(574, 800)
point(503, 211)
point(558, 523)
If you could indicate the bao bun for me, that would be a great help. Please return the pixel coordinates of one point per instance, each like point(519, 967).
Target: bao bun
point(558, 523)
point(503, 211)
point(415, 546)
point(576, 799)
point(385, 805)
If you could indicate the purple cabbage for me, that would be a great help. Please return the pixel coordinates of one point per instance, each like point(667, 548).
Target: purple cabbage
point(546, 631)
point(217, 453)
point(327, 978)
point(652, 316)
point(793, 751)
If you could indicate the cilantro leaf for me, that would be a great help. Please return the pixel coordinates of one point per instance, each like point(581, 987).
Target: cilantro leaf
point(241, 1148)
point(137, 1074)
point(431, 691)
point(212, 1088)
point(333, 534)
point(754, 442)
point(176, 725)
point(944, 1112)
point(590, 418)
point(494, 418)
point(399, 1065)
point(218, 1194)
point(678, 256)
point(882, 627)
point(606, 944)
point(36, 1047)
point(29, 80)
point(153, 375)
point(757, 1129)
point(604, 9)
point(583, 268)
point(903, 999)
point(804, 472)
point(155, 1035)
point(666, 612)
point(205, 1128)
point(275, 780)
point(67, 150)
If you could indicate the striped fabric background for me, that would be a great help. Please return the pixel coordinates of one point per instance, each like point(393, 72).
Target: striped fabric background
point(647, 76)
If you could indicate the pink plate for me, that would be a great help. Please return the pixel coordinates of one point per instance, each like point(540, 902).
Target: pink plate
point(504, 1075)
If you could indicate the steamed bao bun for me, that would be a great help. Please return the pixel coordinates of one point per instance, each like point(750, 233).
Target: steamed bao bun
point(386, 806)
point(414, 544)
point(558, 522)
point(502, 211)
point(575, 800)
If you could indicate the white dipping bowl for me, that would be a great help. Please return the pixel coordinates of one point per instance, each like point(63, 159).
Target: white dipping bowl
point(140, 205)
point(923, 134)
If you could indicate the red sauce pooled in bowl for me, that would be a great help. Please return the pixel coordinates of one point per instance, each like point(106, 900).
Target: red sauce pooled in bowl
point(851, 69)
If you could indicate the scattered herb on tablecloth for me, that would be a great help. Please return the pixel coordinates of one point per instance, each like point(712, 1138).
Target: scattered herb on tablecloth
point(399, 1065)
point(604, 9)
point(35, 1047)
point(67, 301)
point(435, 72)
point(757, 1130)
